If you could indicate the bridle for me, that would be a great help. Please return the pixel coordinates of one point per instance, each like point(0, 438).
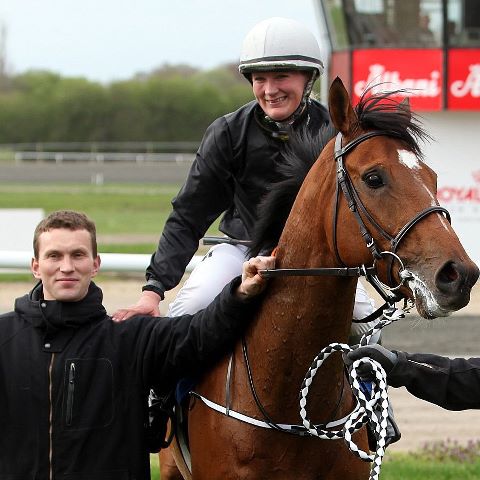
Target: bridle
point(356, 206)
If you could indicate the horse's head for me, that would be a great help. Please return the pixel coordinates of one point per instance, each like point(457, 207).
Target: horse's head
point(392, 193)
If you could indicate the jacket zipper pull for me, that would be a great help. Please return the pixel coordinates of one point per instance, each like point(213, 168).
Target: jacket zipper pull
point(70, 393)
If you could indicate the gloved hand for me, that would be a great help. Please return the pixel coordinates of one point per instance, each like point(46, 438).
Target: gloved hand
point(384, 357)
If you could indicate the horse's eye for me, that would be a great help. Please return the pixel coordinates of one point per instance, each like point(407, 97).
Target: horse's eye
point(373, 180)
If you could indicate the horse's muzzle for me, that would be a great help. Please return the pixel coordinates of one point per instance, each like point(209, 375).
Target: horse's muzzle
point(455, 280)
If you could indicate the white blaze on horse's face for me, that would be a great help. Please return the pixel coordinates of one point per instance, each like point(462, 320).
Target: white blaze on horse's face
point(409, 159)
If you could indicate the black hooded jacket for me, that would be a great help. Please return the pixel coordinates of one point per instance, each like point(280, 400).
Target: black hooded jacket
point(74, 385)
point(233, 170)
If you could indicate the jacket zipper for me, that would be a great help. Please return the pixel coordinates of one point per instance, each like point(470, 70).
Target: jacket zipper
point(70, 393)
point(50, 417)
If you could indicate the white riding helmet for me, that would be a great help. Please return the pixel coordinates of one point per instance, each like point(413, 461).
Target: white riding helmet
point(279, 44)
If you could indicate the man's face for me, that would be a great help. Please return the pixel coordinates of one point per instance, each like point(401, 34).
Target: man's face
point(65, 264)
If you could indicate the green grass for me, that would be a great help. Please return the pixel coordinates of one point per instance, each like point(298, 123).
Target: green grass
point(129, 209)
point(128, 247)
point(154, 469)
point(410, 466)
point(7, 156)
point(114, 208)
point(400, 466)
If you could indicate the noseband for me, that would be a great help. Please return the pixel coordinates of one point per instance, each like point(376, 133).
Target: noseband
point(344, 183)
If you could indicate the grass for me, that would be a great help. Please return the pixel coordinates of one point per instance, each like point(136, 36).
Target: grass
point(406, 467)
point(7, 156)
point(447, 460)
point(128, 211)
point(434, 461)
point(128, 247)
point(154, 469)
point(115, 209)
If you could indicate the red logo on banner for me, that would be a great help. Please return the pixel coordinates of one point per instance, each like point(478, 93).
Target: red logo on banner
point(464, 79)
point(419, 72)
point(464, 194)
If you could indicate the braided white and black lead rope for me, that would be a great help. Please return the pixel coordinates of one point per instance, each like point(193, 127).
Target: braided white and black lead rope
point(364, 411)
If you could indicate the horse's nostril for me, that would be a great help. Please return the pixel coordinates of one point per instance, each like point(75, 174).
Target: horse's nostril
point(448, 274)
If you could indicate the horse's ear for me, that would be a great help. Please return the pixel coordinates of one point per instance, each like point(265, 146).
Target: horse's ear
point(341, 111)
point(404, 108)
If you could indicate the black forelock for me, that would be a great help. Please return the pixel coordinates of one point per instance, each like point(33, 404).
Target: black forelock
point(382, 111)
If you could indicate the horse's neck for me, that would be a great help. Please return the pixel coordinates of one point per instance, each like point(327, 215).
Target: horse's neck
point(311, 312)
point(320, 305)
point(299, 317)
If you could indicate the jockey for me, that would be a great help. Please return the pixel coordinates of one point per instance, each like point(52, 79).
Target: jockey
point(234, 168)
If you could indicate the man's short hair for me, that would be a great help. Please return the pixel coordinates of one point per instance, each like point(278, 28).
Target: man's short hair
point(68, 219)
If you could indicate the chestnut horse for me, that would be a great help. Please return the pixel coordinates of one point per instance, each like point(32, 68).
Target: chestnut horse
point(394, 201)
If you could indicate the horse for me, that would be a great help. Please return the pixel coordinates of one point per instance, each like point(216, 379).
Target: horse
point(368, 201)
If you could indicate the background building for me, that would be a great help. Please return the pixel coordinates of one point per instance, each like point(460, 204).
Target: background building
point(432, 49)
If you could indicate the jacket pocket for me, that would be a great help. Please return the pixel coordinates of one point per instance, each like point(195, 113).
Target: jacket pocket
point(88, 393)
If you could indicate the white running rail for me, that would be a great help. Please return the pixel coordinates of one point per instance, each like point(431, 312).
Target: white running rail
point(111, 262)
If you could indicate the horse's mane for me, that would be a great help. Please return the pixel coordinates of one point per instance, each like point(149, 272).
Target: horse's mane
point(375, 111)
point(299, 155)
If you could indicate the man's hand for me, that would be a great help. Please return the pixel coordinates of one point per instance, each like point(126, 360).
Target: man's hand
point(384, 357)
point(147, 305)
point(252, 282)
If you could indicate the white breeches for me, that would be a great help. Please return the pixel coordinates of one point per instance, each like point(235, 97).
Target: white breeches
point(224, 262)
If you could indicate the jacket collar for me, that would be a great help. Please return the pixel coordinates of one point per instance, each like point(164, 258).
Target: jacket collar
point(53, 315)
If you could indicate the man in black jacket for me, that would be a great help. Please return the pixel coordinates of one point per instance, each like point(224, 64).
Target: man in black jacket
point(74, 384)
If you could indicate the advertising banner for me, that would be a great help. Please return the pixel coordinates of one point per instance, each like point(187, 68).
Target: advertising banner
point(419, 72)
point(464, 79)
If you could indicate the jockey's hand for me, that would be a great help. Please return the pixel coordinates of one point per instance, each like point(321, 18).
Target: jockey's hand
point(252, 282)
point(386, 358)
point(147, 305)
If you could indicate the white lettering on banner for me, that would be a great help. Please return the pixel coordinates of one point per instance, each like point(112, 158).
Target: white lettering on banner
point(420, 87)
point(461, 88)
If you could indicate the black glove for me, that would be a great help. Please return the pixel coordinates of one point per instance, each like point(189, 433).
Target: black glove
point(384, 357)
